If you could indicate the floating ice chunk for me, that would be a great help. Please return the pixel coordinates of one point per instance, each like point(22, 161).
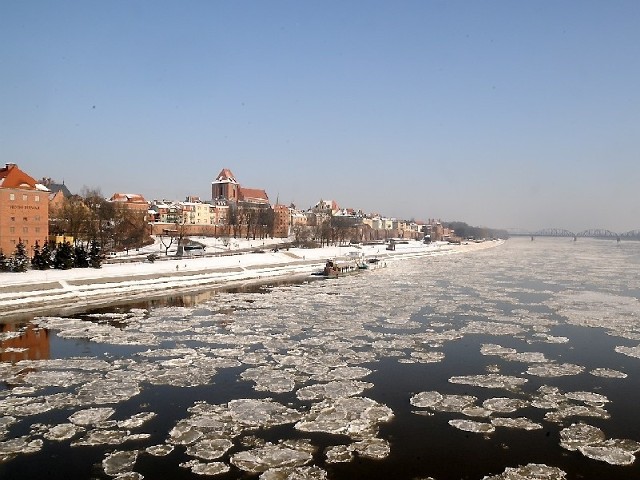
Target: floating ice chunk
point(6, 422)
point(550, 338)
point(590, 441)
point(268, 379)
point(105, 390)
point(492, 328)
point(629, 351)
point(520, 423)
point(91, 416)
point(580, 434)
point(566, 411)
point(490, 380)
point(201, 468)
point(136, 420)
point(261, 413)
point(209, 449)
point(454, 403)
point(56, 378)
point(555, 370)
point(504, 405)
point(137, 437)
point(119, 462)
point(23, 406)
point(532, 471)
point(63, 431)
point(343, 373)
point(354, 416)
point(296, 473)
point(268, 457)
point(102, 437)
point(608, 451)
point(376, 448)
point(339, 454)
point(20, 445)
point(608, 373)
point(493, 349)
point(335, 389)
point(184, 434)
point(527, 357)
point(513, 355)
point(426, 357)
point(475, 411)
point(426, 399)
point(160, 450)
point(129, 476)
point(472, 426)
point(587, 397)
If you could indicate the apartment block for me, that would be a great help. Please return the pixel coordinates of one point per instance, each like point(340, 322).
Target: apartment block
point(24, 210)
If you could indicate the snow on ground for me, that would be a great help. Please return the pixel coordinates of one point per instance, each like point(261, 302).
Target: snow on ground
point(127, 277)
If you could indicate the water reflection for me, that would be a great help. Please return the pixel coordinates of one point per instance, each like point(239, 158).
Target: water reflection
point(23, 342)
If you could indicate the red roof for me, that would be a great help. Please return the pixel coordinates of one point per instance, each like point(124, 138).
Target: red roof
point(226, 175)
point(12, 177)
point(253, 195)
point(128, 197)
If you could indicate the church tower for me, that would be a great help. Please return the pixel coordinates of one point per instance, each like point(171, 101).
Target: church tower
point(225, 186)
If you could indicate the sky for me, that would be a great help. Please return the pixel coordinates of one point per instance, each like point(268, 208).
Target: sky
point(504, 114)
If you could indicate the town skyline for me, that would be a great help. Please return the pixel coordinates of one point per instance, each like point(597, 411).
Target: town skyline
point(499, 114)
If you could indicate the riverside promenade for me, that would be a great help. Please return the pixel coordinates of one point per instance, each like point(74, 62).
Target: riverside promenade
point(63, 292)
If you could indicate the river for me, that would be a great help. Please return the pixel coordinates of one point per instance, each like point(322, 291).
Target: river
point(519, 361)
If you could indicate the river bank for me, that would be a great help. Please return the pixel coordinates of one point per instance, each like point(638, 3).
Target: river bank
point(63, 292)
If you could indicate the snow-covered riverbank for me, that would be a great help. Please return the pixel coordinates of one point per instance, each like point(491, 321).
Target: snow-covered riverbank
point(66, 291)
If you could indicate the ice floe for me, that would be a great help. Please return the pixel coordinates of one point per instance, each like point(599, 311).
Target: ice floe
point(608, 373)
point(472, 426)
point(504, 405)
point(270, 456)
point(532, 471)
point(441, 402)
point(119, 462)
point(91, 416)
point(491, 380)
point(592, 443)
point(517, 423)
point(555, 369)
point(206, 468)
point(357, 417)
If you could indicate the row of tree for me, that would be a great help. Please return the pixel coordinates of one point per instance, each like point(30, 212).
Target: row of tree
point(90, 218)
point(332, 230)
point(62, 257)
point(463, 230)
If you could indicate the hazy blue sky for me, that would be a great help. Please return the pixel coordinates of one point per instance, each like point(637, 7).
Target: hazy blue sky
point(497, 113)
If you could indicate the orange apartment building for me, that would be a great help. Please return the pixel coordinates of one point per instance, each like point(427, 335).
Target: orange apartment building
point(24, 210)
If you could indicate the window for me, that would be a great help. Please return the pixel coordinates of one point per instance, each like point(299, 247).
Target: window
point(12, 196)
point(37, 198)
point(24, 197)
point(13, 219)
point(12, 229)
point(37, 218)
point(25, 229)
point(37, 229)
point(24, 219)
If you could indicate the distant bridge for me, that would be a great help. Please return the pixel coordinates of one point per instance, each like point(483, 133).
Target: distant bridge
point(592, 233)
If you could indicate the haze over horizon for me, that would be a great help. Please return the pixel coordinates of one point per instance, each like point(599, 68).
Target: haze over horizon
point(499, 114)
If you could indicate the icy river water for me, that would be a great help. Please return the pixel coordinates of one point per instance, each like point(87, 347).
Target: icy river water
point(516, 362)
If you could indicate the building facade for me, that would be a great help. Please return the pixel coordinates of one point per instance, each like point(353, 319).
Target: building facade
point(24, 210)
